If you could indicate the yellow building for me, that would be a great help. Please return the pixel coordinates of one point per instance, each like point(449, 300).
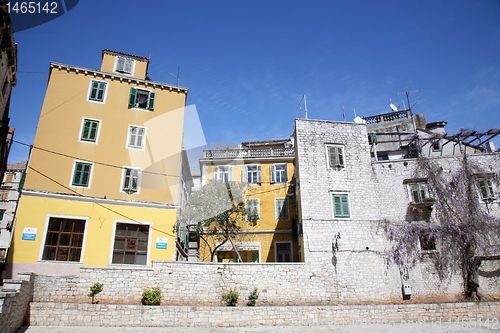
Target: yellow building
point(267, 168)
point(103, 182)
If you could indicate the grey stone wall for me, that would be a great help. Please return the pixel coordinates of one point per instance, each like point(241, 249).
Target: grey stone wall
point(360, 268)
point(15, 296)
point(429, 317)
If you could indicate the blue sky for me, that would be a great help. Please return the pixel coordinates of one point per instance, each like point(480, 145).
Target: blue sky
point(248, 63)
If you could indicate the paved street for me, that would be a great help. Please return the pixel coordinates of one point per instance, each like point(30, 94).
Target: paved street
point(374, 328)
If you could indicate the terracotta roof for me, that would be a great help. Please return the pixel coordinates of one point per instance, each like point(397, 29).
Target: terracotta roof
point(125, 54)
point(17, 166)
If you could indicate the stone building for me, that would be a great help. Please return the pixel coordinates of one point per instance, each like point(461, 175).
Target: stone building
point(267, 168)
point(11, 187)
point(345, 193)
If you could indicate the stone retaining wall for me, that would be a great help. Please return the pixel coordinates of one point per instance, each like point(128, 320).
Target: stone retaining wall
point(460, 315)
point(15, 296)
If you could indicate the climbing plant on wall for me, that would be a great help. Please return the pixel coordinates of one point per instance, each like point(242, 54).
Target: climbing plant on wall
point(456, 221)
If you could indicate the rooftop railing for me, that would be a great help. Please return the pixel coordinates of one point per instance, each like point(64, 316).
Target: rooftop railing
point(249, 153)
point(387, 117)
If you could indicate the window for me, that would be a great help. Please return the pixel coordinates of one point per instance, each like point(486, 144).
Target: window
point(124, 65)
point(89, 130)
point(418, 192)
point(278, 173)
point(486, 189)
point(2, 213)
point(283, 251)
point(427, 241)
point(252, 174)
point(335, 156)
point(4, 195)
point(253, 210)
point(136, 136)
point(281, 209)
point(142, 99)
point(223, 173)
point(81, 175)
point(9, 178)
point(340, 205)
point(64, 239)
point(97, 91)
point(130, 180)
point(131, 244)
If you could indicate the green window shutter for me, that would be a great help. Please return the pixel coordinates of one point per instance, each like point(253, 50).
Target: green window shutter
point(331, 156)
point(82, 174)
point(272, 174)
point(132, 101)
point(259, 174)
point(1, 214)
point(341, 205)
point(151, 100)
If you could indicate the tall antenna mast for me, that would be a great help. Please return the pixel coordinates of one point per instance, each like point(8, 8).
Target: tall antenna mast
point(407, 93)
point(305, 104)
point(176, 76)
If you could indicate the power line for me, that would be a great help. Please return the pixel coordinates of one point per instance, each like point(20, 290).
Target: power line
point(99, 204)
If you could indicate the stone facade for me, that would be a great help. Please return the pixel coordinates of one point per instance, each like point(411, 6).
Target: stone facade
point(15, 296)
point(376, 190)
point(428, 317)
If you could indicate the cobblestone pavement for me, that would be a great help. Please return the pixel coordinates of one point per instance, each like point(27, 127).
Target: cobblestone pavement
point(363, 328)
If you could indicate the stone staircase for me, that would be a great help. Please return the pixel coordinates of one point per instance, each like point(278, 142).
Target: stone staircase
point(15, 296)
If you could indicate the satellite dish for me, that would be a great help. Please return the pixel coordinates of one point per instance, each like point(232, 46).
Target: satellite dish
point(394, 107)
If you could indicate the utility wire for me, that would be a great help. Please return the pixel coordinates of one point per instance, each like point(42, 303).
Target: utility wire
point(99, 204)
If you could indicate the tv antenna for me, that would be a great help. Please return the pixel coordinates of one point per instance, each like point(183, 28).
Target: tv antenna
point(305, 105)
point(176, 76)
point(407, 93)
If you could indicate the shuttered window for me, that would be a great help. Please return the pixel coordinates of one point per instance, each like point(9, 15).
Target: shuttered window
point(81, 175)
point(252, 174)
point(253, 210)
point(124, 65)
point(335, 156)
point(486, 189)
point(142, 99)
point(341, 205)
point(97, 90)
point(130, 180)
point(136, 137)
point(89, 130)
point(281, 209)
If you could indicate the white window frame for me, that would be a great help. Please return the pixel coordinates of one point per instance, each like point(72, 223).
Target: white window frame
point(125, 60)
point(246, 173)
point(73, 174)
point(44, 237)
point(103, 96)
point(336, 193)
point(96, 134)
point(129, 134)
point(421, 186)
point(273, 173)
point(276, 250)
point(122, 182)
point(277, 209)
point(150, 244)
point(258, 208)
point(229, 172)
point(339, 157)
point(490, 188)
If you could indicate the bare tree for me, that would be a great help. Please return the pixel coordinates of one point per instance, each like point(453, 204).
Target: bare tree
point(215, 213)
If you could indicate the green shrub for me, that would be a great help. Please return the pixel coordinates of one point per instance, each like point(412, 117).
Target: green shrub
point(252, 298)
point(94, 290)
point(231, 298)
point(151, 296)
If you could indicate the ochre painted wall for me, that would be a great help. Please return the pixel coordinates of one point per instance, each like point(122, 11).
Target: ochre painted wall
point(98, 241)
point(59, 129)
